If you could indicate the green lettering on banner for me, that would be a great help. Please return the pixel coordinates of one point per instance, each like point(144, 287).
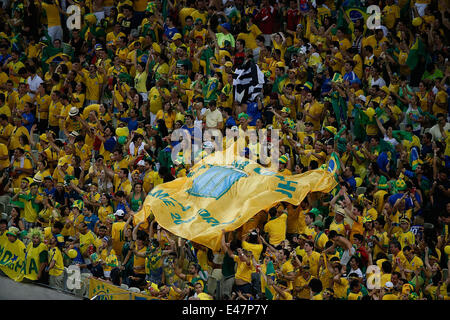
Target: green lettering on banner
point(177, 218)
point(33, 267)
point(286, 187)
point(159, 194)
point(5, 257)
point(240, 164)
point(19, 265)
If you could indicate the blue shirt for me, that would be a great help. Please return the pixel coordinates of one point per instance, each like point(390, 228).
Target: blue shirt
point(408, 201)
point(50, 192)
point(110, 144)
point(132, 124)
point(350, 76)
point(91, 221)
point(169, 32)
point(4, 58)
point(253, 112)
point(230, 122)
point(121, 206)
point(326, 85)
point(351, 181)
point(30, 118)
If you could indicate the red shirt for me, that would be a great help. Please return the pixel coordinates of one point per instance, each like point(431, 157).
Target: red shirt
point(265, 18)
point(293, 17)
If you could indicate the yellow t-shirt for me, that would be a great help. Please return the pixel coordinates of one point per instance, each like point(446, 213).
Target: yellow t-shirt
point(276, 229)
point(243, 271)
point(14, 143)
point(86, 240)
point(117, 236)
point(58, 268)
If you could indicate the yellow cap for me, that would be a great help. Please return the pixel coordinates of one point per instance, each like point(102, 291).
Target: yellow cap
point(176, 36)
point(43, 137)
point(139, 131)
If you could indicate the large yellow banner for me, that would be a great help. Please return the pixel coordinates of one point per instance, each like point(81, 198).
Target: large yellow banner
point(12, 258)
point(103, 290)
point(220, 194)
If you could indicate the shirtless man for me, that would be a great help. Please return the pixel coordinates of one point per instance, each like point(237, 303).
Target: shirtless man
point(342, 242)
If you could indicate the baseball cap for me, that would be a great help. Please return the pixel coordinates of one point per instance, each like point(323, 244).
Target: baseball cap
point(141, 163)
point(119, 213)
point(229, 64)
point(176, 36)
point(234, 128)
point(389, 285)
point(363, 98)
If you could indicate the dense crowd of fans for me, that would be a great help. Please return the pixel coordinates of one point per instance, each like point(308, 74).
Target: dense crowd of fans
point(86, 118)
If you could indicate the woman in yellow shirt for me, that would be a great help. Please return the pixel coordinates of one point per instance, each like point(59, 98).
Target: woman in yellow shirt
point(105, 208)
point(79, 96)
point(424, 96)
point(168, 115)
point(279, 42)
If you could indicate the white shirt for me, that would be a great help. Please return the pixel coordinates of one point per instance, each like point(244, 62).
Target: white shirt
point(379, 82)
point(34, 84)
point(436, 133)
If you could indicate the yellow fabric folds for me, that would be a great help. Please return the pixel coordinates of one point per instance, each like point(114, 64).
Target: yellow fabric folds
point(223, 194)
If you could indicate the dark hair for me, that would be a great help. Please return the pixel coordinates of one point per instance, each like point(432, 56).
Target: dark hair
point(386, 267)
point(332, 234)
point(315, 285)
point(58, 225)
point(354, 283)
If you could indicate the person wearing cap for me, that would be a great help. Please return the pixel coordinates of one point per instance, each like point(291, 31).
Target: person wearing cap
point(71, 121)
point(117, 235)
point(108, 257)
point(388, 292)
